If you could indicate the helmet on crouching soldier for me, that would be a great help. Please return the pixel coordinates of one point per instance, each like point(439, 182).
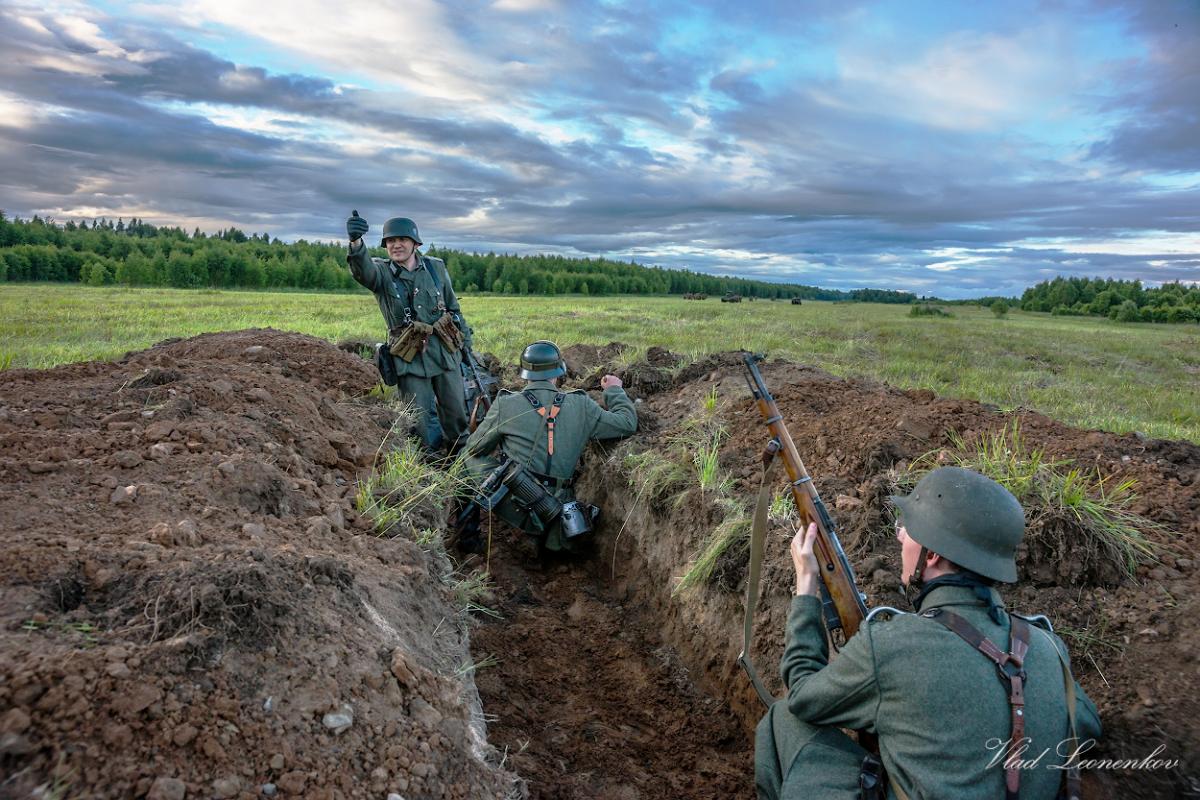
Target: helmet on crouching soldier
point(542, 361)
point(967, 518)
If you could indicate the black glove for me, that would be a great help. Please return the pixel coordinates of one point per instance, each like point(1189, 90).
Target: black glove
point(356, 226)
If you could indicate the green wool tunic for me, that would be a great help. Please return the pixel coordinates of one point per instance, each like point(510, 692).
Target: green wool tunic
point(936, 704)
point(514, 427)
point(397, 290)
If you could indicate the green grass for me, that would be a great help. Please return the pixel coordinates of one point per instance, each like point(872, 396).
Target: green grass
point(1084, 371)
point(733, 530)
point(1096, 508)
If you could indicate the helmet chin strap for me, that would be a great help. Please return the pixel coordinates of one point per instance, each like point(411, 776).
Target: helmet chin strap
point(912, 589)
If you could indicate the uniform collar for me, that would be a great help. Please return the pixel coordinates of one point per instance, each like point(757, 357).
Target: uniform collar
point(399, 270)
point(542, 385)
point(941, 596)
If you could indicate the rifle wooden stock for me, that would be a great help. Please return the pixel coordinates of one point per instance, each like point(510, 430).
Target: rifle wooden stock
point(843, 604)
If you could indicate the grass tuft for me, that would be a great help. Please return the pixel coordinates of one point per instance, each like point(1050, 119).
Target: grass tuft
point(734, 530)
point(1097, 508)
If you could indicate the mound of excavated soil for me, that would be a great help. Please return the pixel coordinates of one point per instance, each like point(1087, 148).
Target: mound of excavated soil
point(1134, 642)
point(189, 605)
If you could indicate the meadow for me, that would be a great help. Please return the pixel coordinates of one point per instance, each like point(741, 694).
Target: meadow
point(1085, 371)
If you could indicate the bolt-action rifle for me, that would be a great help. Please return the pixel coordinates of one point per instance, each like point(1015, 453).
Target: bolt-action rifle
point(479, 385)
point(843, 607)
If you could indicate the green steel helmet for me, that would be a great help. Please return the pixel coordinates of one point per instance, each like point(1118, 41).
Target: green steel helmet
point(967, 518)
point(400, 226)
point(542, 361)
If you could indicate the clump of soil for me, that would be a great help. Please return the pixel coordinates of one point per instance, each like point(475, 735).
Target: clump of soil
point(189, 604)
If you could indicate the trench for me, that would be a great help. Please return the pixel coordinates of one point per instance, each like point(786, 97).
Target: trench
point(596, 683)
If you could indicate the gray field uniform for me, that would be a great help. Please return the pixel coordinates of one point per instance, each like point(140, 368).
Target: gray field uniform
point(936, 704)
point(515, 427)
point(433, 379)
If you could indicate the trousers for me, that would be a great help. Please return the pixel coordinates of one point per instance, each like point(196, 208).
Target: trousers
point(797, 761)
point(438, 399)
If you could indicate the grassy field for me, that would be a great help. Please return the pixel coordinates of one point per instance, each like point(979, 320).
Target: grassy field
point(1084, 371)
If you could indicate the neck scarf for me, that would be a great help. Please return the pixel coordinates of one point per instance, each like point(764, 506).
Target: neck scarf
point(981, 586)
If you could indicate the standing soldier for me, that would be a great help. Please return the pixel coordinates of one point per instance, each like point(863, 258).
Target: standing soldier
point(968, 701)
point(525, 451)
point(427, 335)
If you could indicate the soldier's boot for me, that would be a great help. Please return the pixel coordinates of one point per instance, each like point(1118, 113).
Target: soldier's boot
point(470, 536)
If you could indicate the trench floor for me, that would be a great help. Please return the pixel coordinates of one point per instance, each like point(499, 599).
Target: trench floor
point(584, 697)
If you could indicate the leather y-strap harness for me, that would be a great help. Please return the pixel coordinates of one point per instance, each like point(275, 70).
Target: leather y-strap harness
point(1010, 666)
point(408, 297)
point(548, 415)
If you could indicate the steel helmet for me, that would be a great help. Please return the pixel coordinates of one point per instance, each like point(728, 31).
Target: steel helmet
point(967, 518)
point(399, 226)
point(542, 361)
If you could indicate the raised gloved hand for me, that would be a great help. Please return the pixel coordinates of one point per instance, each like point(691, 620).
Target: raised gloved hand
point(356, 226)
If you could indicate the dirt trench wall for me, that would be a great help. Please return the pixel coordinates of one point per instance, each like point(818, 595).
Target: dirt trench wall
point(1138, 650)
point(191, 607)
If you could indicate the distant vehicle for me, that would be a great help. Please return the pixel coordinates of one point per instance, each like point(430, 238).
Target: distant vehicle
point(695, 296)
point(796, 301)
point(730, 297)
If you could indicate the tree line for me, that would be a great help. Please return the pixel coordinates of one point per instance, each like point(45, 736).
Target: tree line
point(1123, 301)
point(136, 253)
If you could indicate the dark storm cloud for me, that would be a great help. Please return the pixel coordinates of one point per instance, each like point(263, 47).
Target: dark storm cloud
point(801, 189)
point(1161, 129)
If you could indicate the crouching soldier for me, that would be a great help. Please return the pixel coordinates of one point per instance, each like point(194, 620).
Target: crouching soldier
point(524, 453)
point(968, 700)
point(427, 335)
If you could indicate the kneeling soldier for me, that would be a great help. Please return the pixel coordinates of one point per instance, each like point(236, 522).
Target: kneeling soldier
point(524, 453)
point(967, 699)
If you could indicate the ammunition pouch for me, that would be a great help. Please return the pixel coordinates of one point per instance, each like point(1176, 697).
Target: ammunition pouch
point(531, 496)
point(387, 367)
point(408, 340)
point(448, 332)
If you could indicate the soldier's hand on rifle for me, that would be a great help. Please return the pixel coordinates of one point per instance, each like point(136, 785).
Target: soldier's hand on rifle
point(808, 571)
point(356, 226)
point(609, 381)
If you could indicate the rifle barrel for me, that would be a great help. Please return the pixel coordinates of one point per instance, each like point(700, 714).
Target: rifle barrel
point(841, 593)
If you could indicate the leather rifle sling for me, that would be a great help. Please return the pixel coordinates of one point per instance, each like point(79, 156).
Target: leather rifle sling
point(758, 536)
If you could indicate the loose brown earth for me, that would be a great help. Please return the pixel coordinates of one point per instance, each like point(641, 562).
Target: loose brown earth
point(188, 600)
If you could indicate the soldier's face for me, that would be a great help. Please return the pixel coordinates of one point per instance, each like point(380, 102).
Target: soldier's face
point(400, 248)
point(910, 553)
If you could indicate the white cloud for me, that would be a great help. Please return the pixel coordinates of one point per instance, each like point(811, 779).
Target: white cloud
point(1144, 244)
point(411, 47)
point(968, 81)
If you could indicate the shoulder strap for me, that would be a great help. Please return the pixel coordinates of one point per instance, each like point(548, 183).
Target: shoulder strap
point(431, 265)
point(1073, 785)
point(548, 415)
point(1010, 666)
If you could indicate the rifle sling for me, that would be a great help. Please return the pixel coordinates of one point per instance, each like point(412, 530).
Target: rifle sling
point(758, 536)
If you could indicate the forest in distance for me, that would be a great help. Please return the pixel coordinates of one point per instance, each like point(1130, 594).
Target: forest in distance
point(136, 253)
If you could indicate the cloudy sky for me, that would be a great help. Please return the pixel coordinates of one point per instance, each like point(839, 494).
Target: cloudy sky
point(954, 148)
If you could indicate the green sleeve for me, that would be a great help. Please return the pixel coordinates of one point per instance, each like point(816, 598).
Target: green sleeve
point(844, 693)
point(363, 268)
point(487, 436)
point(618, 420)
